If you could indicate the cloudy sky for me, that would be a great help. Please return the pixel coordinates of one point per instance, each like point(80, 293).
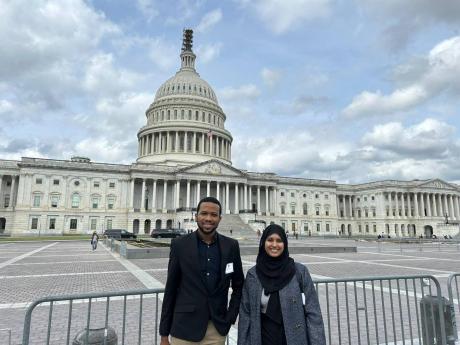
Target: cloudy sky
point(350, 90)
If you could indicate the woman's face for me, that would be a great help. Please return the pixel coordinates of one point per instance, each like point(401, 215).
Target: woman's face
point(274, 245)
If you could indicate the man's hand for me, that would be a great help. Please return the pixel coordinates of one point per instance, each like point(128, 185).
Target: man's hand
point(164, 340)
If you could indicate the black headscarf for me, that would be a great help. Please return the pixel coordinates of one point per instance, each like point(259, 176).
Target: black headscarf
point(274, 273)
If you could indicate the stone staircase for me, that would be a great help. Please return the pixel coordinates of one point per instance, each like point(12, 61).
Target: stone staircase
point(239, 228)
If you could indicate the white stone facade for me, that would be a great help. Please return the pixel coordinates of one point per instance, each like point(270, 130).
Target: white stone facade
point(185, 154)
point(44, 196)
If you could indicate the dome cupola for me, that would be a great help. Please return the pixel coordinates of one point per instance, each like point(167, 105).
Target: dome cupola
point(185, 124)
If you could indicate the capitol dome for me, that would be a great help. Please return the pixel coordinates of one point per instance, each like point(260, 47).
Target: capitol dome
point(186, 83)
point(185, 124)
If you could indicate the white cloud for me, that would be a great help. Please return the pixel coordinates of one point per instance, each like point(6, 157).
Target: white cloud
point(270, 77)
point(103, 78)
point(440, 75)
point(247, 92)
point(47, 34)
point(291, 152)
point(208, 52)
point(5, 106)
point(281, 16)
point(209, 20)
point(430, 138)
point(402, 20)
point(161, 52)
point(148, 9)
point(120, 115)
point(104, 149)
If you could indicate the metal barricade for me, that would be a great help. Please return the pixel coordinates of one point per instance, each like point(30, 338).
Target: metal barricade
point(369, 310)
point(453, 288)
point(380, 310)
point(132, 314)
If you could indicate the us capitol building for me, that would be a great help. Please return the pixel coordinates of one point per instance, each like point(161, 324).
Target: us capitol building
point(185, 154)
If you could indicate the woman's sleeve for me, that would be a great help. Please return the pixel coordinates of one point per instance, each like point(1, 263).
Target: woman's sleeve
point(313, 317)
point(244, 321)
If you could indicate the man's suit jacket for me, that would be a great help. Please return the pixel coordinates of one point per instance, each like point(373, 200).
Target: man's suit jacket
point(187, 305)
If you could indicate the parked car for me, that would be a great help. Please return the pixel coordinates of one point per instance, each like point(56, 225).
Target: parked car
point(119, 234)
point(168, 233)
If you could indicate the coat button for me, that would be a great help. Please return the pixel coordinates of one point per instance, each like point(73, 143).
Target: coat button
point(298, 326)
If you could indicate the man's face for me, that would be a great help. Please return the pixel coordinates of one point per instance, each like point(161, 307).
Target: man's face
point(208, 217)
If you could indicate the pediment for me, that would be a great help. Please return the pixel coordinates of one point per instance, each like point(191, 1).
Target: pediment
point(212, 167)
point(437, 183)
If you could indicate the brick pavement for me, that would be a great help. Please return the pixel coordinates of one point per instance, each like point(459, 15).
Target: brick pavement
point(57, 268)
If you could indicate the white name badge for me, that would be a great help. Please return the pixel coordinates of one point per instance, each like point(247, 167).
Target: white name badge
point(229, 268)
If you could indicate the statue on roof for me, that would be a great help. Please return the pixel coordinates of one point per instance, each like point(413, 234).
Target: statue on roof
point(187, 40)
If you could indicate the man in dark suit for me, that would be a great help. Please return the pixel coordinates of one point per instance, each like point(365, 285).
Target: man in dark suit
point(201, 267)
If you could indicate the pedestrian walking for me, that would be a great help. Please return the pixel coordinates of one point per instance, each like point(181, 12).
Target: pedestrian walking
point(94, 239)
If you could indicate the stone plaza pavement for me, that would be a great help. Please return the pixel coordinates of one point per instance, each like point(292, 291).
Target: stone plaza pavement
point(31, 270)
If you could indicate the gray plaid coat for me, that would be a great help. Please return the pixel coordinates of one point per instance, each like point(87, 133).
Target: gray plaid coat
point(301, 327)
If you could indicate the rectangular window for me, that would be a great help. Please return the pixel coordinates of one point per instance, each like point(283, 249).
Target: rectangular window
point(292, 209)
point(318, 227)
point(317, 211)
point(34, 225)
point(96, 184)
point(112, 185)
point(54, 201)
point(283, 225)
point(73, 224)
point(375, 228)
point(328, 228)
point(52, 223)
point(36, 200)
point(93, 223)
point(75, 201)
point(38, 181)
point(327, 212)
point(360, 228)
point(281, 193)
point(326, 196)
point(56, 182)
point(95, 202)
point(110, 203)
point(6, 201)
point(292, 194)
point(283, 209)
point(109, 223)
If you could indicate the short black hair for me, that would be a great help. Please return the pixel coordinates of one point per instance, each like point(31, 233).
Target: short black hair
point(209, 199)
